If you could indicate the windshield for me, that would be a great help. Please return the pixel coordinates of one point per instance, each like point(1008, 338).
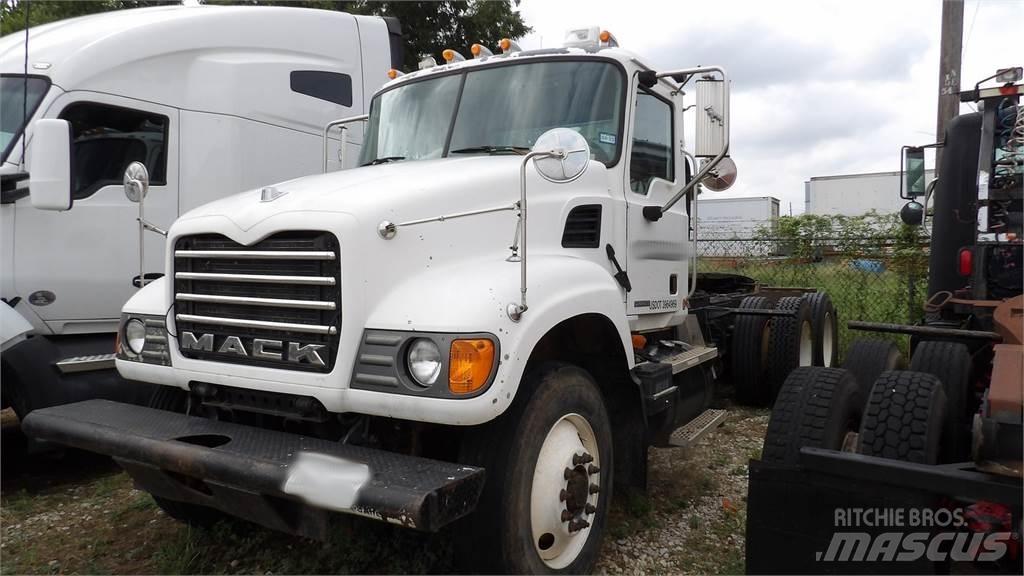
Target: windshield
point(12, 106)
point(502, 109)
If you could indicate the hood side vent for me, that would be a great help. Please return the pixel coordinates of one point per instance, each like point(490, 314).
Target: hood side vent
point(583, 227)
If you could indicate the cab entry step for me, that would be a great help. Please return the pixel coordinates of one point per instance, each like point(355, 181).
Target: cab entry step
point(231, 458)
point(695, 429)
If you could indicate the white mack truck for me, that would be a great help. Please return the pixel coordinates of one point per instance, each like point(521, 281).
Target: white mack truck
point(487, 322)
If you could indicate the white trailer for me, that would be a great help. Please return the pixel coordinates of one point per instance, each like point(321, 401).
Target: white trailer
point(855, 194)
point(727, 218)
point(729, 226)
point(212, 100)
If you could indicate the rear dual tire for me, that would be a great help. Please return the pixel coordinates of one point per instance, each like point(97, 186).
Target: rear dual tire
point(950, 362)
point(749, 354)
point(868, 359)
point(904, 417)
point(816, 408)
point(825, 330)
point(791, 344)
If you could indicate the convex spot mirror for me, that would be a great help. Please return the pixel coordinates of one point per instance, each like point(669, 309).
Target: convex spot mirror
point(573, 155)
point(912, 213)
point(914, 183)
point(721, 177)
point(136, 182)
point(50, 167)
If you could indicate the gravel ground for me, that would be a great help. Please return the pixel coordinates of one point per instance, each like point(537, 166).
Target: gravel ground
point(692, 521)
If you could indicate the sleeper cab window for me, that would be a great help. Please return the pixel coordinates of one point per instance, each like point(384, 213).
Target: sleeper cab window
point(330, 86)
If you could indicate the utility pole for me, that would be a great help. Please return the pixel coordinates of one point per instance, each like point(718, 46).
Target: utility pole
point(949, 68)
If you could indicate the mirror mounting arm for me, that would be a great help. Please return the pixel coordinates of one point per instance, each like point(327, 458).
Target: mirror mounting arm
point(654, 213)
point(152, 227)
point(515, 311)
point(343, 123)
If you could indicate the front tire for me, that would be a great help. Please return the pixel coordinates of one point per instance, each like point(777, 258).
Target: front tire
point(549, 478)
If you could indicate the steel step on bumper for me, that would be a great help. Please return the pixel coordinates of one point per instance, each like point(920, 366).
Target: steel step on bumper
point(284, 481)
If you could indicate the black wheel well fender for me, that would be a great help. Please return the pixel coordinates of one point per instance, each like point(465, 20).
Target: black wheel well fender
point(591, 342)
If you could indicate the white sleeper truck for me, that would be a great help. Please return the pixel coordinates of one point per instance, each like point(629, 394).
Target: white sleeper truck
point(486, 322)
point(211, 100)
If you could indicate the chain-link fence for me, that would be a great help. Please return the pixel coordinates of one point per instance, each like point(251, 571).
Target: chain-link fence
point(870, 279)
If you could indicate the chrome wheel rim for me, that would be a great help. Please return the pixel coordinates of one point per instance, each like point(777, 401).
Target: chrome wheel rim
point(565, 491)
point(806, 344)
point(827, 341)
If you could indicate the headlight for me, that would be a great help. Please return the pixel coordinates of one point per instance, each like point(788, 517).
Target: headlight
point(143, 339)
point(424, 361)
point(135, 335)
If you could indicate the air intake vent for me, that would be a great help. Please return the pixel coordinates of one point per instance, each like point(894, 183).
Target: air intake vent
point(583, 227)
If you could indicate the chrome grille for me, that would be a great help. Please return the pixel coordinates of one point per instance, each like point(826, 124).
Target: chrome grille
point(285, 288)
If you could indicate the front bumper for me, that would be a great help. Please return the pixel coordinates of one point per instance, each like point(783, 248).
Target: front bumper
point(284, 481)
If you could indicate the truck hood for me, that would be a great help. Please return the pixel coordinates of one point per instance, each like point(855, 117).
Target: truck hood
point(398, 191)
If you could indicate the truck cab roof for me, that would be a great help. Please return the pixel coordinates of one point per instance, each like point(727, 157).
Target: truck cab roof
point(199, 57)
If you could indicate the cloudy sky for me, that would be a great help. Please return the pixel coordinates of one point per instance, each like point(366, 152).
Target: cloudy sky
point(819, 87)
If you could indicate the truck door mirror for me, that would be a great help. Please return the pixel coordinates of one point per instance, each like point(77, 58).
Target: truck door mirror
point(712, 111)
point(913, 175)
point(573, 155)
point(136, 182)
point(50, 167)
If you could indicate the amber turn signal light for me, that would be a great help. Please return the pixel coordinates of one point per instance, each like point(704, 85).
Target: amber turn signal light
point(469, 365)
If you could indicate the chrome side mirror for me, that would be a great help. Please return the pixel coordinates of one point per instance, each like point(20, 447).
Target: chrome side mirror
point(136, 186)
point(712, 117)
point(721, 177)
point(562, 156)
point(136, 182)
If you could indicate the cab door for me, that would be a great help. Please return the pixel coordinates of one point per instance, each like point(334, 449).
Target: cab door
point(84, 259)
point(657, 252)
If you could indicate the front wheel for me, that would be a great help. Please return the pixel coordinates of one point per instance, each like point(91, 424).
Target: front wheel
point(549, 478)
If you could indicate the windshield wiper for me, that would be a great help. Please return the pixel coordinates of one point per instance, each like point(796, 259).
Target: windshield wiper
point(521, 150)
point(384, 160)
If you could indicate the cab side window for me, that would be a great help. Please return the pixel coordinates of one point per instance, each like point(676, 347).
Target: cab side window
point(106, 139)
point(652, 142)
